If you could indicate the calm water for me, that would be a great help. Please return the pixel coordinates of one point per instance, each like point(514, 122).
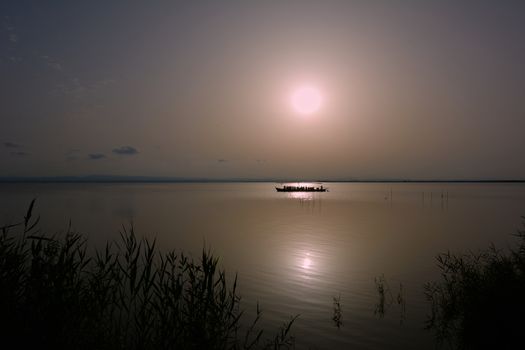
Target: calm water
point(294, 253)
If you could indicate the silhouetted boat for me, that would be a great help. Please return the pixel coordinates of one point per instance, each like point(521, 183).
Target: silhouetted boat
point(301, 189)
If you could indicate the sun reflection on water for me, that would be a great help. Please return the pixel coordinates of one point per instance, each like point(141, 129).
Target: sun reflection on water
point(307, 262)
point(306, 266)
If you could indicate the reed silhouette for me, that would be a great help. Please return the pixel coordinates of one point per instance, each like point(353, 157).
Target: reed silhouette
point(386, 298)
point(479, 302)
point(337, 312)
point(53, 295)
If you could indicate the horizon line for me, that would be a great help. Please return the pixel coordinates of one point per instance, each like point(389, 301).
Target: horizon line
point(173, 179)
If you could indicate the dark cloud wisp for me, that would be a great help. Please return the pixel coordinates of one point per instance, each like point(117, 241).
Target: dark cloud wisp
point(11, 145)
point(95, 156)
point(19, 154)
point(125, 150)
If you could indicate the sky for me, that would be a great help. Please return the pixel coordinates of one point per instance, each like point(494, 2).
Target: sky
point(203, 89)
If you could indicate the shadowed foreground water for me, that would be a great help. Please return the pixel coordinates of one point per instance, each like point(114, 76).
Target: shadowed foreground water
point(295, 252)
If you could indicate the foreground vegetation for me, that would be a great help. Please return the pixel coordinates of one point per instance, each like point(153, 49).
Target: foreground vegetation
point(53, 295)
point(480, 301)
point(127, 296)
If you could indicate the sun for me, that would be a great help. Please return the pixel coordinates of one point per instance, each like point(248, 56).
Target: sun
point(306, 99)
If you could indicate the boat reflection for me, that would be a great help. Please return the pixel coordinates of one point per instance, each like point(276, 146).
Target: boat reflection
point(302, 196)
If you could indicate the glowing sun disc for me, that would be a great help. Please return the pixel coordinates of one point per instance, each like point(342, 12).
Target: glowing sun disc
point(306, 100)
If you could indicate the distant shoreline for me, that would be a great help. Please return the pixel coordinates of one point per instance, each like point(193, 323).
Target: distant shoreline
point(139, 179)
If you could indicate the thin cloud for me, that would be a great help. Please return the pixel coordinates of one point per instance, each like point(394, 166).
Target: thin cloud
point(19, 154)
point(12, 41)
point(11, 30)
point(125, 151)
point(72, 154)
point(96, 156)
point(11, 145)
point(76, 88)
point(52, 63)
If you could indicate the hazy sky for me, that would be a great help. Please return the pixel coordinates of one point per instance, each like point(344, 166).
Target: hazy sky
point(411, 89)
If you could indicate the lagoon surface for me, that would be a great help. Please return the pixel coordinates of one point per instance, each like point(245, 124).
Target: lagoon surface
point(294, 252)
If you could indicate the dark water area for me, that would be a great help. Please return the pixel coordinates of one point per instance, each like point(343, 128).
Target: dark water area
point(295, 252)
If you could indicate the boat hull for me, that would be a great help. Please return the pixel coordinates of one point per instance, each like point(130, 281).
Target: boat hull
point(300, 190)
